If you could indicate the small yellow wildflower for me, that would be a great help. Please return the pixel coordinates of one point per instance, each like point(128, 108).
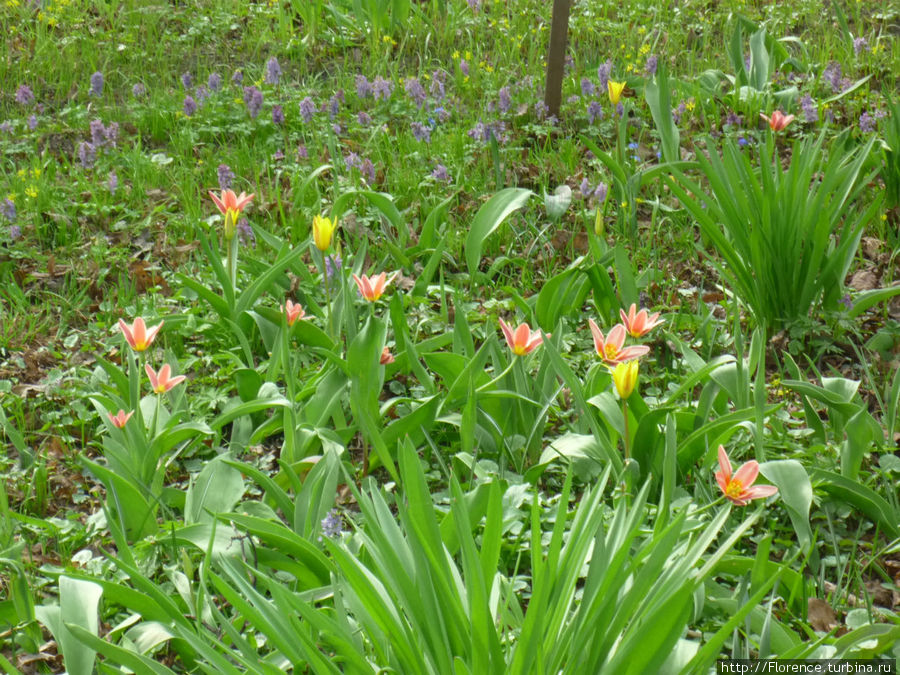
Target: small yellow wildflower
point(31, 191)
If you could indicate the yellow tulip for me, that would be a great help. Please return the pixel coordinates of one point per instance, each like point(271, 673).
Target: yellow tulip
point(615, 91)
point(625, 376)
point(323, 228)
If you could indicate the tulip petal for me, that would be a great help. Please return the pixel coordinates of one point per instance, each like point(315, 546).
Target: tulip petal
point(747, 474)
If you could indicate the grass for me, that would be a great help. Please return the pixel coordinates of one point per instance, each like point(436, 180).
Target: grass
point(296, 487)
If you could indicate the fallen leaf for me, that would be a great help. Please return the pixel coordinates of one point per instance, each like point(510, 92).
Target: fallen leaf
point(820, 615)
point(864, 280)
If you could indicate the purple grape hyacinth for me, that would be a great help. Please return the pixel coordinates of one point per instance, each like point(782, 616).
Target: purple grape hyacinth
point(187, 80)
point(96, 89)
point(24, 95)
point(505, 101)
point(253, 99)
point(8, 209)
point(415, 91)
point(363, 86)
point(138, 90)
point(87, 155)
point(382, 89)
point(809, 108)
point(273, 71)
point(278, 115)
point(190, 106)
point(440, 173)
point(420, 132)
point(225, 176)
point(307, 109)
point(214, 82)
point(866, 123)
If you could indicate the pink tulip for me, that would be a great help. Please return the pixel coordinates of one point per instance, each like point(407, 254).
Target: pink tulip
point(521, 340)
point(138, 336)
point(737, 487)
point(119, 419)
point(611, 349)
point(163, 381)
point(293, 312)
point(386, 357)
point(372, 288)
point(778, 121)
point(640, 323)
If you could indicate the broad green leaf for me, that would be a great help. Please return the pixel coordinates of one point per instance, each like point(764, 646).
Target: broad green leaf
point(489, 217)
point(217, 488)
point(795, 490)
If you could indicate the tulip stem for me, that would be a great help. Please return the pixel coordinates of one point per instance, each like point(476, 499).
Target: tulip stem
point(499, 377)
point(625, 414)
point(231, 262)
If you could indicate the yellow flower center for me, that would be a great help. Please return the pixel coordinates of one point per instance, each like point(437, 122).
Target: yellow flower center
point(610, 350)
point(519, 350)
point(734, 489)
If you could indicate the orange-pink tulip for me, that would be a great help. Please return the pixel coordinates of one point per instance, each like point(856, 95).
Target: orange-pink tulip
point(739, 487)
point(611, 347)
point(778, 120)
point(231, 205)
point(293, 312)
point(386, 357)
point(521, 340)
point(120, 419)
point(372, 288)
point(138, 336)
point(638, 324)
point(162, 381)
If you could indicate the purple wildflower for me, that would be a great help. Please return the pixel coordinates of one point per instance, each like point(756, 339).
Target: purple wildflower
point(278, 115)
point(505, 100)
point(743, 141)
point(678, 112)
point(190, 106)
point(367, 169)
point(603, 73)
point(601, 191)
point(24, 95)
point(415, 91)
point(307, 109)
point(138, 90)
point(440, 173)
point(331, 524)
point(302, 152)
point(214, 82)
point(860, 44)
point(336, 128)
point(15, 232)
point(8, 209)
point(866, 123)
point(253, 99)
point(464, 67)
point(237, 77)
point(98, 133)
point(334, 105)
point(363, 118)
point(573, 99)
point(733, 119)
point(479, 132)
point(363, 86)
point(187, 80)
point(541, 110)
point(6, 127)
point(832, 75)
point(226, 176)
point(436, 89)
point(584, 188)
point(332, 265)
point(587, 87)
point(273, 71)
point(87, 155)
point(96, 84)
point(382, 89)
point(352, 161)
point(847, 301)
point(245, 232)
point(651, 65)
point(112, 133)
point(809, 108)
point(112, 182)
point(32, 122)
point(594, 111)
point(201, 93)
point(420, 132)
point(278, 156)
point(474, 5)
